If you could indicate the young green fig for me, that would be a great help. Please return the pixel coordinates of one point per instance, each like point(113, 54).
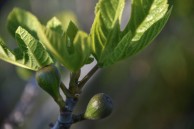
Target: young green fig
point(99, 107)
point(49, 79)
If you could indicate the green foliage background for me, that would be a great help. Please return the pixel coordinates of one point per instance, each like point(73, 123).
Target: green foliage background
point(151, 90)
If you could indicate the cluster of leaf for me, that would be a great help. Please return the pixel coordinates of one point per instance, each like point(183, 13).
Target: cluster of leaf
point(40, 45)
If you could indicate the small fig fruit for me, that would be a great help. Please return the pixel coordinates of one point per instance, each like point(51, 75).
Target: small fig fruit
point(99, 107)
point(49, 79)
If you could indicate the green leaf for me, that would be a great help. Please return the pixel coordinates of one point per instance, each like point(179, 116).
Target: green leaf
point(34, 48)
point(71, 30)
point(69, 48)
point(141, 40)
point(144, 14)
point(18, 17)
point(14, 57)
point(129, 45)
point(30, 54)
point(56, 25)
point(105, 29)
point(66, 17)
point(71, 51)
point(148, 17)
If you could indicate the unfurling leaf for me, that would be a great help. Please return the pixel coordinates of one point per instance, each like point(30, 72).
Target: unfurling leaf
point(71, 50)
point(110, 44)
point(55, 24)
point(34, 48)
point(30, 54)
point(105, 30)
point(70, 47)
point(18, 17)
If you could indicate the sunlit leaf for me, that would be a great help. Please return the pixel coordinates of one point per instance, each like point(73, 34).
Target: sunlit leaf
point(148, 17)
point(71, 51)
point(30, 54)
point(66, 17)
point(56, 25)
point(129, 45)
point(19, 17)
point(35, 49)
point(70, 47)
point(105, 29)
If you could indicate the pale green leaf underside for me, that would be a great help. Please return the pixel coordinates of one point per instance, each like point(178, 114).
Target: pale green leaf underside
point(148, 17)
point(30, 54)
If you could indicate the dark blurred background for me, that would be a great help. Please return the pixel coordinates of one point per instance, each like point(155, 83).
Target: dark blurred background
point(151, 90)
